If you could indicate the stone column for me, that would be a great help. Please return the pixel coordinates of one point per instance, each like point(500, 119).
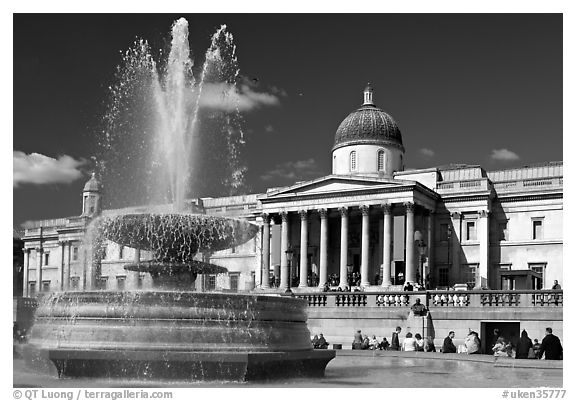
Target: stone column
point(323, 247)
point(62, 249)
point(410, 259)
point(454, 254)
point(484, 238)
point(284, 268)
point(431, 256)
point(387, 245)
point(303, 249)
point(365, 252)
point(343, 247)
point(25, 290)
point(68, 270)
point(39, 253)
point(265, 281)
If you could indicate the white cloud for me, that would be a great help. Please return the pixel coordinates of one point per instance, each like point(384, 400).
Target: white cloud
point(503, 155)
point(427, 152)
point(222, 96)
point(294, 171)
point(269, 128)
point(35, 168)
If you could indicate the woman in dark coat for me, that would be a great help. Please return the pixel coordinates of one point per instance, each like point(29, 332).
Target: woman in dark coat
point(524, 345)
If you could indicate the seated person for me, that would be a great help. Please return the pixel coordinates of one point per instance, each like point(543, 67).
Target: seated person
point(418, 309)
point(419, 342)
point(409, 343)
point(384, 345)
point(448, 346)
point(315, 341)
point(365, 343)
point(322, 343)
point(373, 343)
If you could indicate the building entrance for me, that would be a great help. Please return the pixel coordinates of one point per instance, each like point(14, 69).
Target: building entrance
point(509, 330)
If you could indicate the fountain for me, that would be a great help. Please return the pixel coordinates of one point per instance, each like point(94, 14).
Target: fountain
point(169, 331)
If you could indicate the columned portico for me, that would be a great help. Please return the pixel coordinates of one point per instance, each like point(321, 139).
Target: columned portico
point(343, 247)
point(387, 245)
point(265, 282)
point(365, 254)
point(323, 247)
point(410, 266)
point(303, 249)
point(284, 268)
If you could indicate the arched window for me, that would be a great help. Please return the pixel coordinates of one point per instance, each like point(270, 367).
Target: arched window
point(381, 160)
point(353, 160)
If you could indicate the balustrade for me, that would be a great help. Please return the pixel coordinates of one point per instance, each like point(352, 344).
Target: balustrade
point(437, 299)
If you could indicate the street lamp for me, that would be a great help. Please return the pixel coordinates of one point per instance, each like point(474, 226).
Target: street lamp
point(289, 255)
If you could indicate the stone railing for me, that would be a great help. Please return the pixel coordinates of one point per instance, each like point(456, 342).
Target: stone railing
point(468, 185)
point(437, 299)
point(534, 183)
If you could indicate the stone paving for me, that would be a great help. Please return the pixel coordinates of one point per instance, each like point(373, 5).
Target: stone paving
point(366, 369)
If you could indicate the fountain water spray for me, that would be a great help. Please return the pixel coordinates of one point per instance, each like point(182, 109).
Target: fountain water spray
point(159, 117)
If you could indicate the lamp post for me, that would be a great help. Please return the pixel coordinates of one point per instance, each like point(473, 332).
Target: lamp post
point(289, 255)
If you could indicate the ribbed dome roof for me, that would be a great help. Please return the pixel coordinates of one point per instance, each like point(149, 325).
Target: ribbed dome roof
point(370, 125)
point(92, 185)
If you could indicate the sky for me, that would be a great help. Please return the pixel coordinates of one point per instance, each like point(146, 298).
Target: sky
point(481, 89)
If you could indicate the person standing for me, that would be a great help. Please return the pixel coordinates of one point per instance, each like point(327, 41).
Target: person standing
point(448, 346)
point(551, 348)
point(524, 345)
point(357, 343)
point(556, 286)
point(395, 345)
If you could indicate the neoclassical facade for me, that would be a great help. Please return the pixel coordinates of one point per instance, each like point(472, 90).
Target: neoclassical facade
point(370, 224)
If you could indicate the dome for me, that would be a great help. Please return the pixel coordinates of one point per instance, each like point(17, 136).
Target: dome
point(368, 125)
point(92, 185)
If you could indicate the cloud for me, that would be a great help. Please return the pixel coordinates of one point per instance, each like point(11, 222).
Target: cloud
point(269, 128)
point(427, 152)
point(243, 97)
point(294, 171)
point(504, 155)
point(38, 169)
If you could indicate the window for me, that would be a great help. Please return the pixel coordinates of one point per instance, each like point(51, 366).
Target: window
point(503, 231)
point(46, 286)
point(443, 276)
point(444, 230)
point(120, 283)
point(102, 282)
point(537, 229)
point(538, 268)
point(103, 252)
point(46, 259)
point(75, 253)
point(381, 160)
point(470, 231)
point(234, 278)
point(469, 274)
point(353, 161)
point(74, 283)
point(32, 288)
point(211, 282)
point(121, 252)
point(141, 277)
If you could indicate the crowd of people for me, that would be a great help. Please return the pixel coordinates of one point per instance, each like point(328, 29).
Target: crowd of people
point(550, 348)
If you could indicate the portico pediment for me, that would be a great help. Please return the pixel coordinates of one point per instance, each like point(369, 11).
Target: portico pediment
point(335, 184)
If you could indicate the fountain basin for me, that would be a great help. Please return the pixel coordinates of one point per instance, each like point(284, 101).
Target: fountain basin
point(175, 335)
